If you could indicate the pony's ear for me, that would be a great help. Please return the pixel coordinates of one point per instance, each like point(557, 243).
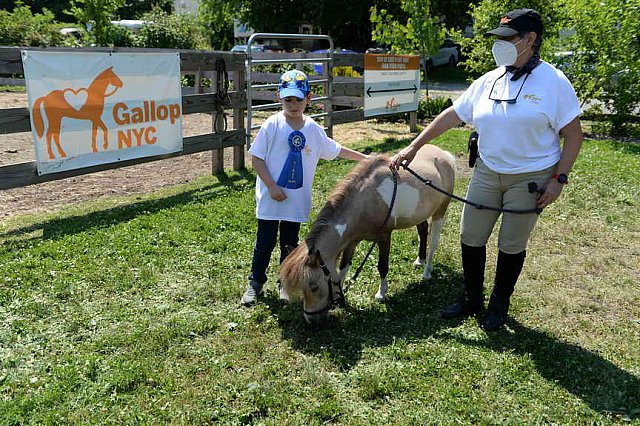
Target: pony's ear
point(289, 248)
point(313, 258)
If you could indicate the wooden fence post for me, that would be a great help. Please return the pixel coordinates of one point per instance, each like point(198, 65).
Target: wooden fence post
point(413, 121)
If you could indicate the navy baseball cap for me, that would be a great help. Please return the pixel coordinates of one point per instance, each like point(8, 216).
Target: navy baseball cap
point(518, 21)
point(294, 83)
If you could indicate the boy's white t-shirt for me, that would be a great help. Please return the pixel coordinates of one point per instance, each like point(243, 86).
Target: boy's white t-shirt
point(521, 137)
point(271, 145)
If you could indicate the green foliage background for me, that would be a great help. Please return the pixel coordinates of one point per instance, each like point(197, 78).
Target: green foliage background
point(22, 28)
point(602, 37)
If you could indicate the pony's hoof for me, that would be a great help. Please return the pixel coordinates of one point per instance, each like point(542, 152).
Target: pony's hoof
point(379, 297)
point(426, 277)
point(418, 262)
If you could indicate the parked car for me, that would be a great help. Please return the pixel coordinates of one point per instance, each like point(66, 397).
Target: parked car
point(317, 67)
point(256, 48)
point(377, 50)
point(448, 54)
point(72, 31)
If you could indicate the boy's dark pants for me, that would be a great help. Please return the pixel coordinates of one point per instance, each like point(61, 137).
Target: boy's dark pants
point(266, 241)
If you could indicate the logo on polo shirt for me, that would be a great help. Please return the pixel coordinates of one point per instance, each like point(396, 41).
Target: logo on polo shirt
point(532, 98)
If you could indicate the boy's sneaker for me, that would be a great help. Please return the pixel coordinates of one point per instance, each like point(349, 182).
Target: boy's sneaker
point(254, 289)
point(282, 294)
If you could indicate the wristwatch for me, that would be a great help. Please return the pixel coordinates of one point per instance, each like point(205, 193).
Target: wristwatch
point(561, 178)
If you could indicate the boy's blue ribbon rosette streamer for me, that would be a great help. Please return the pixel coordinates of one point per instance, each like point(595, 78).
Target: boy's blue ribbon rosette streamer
point(291, 174)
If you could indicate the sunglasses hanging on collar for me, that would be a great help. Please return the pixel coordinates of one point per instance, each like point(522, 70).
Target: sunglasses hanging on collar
point(525, 70)
point(509, 101)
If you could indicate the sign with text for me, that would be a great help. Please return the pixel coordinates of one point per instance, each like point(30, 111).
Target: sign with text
point(391, 84)
point(90, 108)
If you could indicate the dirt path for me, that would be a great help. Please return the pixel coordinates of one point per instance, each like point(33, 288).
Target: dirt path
point(139, 179)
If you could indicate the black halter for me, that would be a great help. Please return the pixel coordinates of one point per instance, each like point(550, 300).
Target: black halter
point(332, 300)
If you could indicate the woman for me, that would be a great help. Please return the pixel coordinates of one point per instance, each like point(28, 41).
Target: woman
point(519, 110)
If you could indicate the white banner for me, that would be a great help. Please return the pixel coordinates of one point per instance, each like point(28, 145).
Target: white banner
point(90, 108)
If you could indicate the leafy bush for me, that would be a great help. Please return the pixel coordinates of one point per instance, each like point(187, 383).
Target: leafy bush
point(120, 36)
point(23, 28)
point(430, 107)
point(97, 15)
point(170, 31)
point(607, 51)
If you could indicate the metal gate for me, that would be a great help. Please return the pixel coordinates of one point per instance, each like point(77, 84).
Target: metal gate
point(325, 79)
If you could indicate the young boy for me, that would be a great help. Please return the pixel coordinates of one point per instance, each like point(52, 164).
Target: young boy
point(284, 155)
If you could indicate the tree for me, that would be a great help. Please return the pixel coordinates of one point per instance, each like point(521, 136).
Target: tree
point(134, 9)
point(131, 9)
point(486, 15)
point(96, 15)
point(347, 22)
point(421, 32)
point(21, 27)
point(170, 31)
point(57, 7)
point(217, 18)
point(453, 13)
point(605, 42)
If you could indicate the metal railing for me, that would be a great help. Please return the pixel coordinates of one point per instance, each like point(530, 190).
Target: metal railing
point(326, 81)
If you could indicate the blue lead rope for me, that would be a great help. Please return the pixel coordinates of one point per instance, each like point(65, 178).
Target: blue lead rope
point(291, 174)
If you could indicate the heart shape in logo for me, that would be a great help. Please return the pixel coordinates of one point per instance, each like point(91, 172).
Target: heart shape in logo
point(76, 98)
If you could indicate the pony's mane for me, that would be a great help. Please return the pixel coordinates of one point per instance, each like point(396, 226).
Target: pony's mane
point(293, 271)
point(341, 195)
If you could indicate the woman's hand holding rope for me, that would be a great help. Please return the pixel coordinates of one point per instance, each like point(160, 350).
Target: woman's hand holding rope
point(404, 157)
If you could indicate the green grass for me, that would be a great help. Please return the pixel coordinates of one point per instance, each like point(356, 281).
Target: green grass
point(17, 89)
point(126, 312)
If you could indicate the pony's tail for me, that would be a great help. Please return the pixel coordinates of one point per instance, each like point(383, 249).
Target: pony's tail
point(38, 122)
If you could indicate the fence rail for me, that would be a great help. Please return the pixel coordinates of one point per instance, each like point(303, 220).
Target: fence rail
point(346, 92)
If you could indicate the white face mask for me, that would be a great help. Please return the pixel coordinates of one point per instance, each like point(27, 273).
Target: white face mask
point(505, 53)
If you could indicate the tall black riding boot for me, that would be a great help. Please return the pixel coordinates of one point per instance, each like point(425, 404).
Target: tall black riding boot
point(473, 261)
point(507, 273)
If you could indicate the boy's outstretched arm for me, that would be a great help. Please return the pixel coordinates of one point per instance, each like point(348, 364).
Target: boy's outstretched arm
point(350, 154)
point(263, 173)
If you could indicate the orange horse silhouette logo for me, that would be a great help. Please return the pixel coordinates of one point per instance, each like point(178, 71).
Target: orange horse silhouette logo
point(83, 104)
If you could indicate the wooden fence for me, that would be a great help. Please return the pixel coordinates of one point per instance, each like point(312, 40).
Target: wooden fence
point(347, 92)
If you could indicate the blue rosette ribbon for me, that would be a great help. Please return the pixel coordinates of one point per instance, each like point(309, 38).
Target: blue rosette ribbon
point(291, 174)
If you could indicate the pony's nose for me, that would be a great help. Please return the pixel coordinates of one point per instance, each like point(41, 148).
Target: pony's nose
point(318, 320)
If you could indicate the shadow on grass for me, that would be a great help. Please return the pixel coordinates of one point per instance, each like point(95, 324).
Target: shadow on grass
point(604, 386)
point(56, 228)
point(414, 314)
point(388, 145)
